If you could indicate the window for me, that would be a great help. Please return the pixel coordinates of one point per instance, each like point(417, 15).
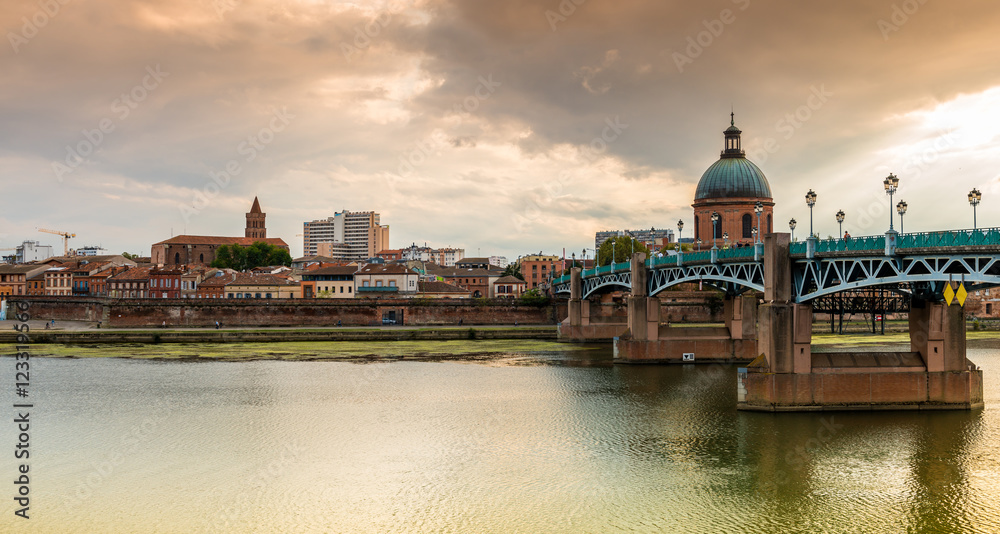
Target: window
point(747, 225)
point(256, 295)
point(718, 227)
point(365, 283)
point(378, 283)
point(392, 283)
point(769, 229)
point(696, 227)
point(268, 295)
point(989, 308)
point(349, 288)
point(341, 289)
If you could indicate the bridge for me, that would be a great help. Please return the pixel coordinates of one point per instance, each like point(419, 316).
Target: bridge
point(775, 334)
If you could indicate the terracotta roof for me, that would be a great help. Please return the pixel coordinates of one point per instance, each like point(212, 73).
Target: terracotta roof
point(220, 240)
point(454, 272)
point(473, 260)
point(245, 279)
point(440, 287)
point(219, 281)
point(135, 273)
point(22, 269)
point(389, 268)
point(509, 280)
point(336, 270)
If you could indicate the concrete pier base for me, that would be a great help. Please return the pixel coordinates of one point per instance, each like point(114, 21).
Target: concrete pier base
point(648, 341)
point(788, 376)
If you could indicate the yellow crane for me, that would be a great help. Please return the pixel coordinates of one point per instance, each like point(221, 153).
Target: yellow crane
point(65, 236)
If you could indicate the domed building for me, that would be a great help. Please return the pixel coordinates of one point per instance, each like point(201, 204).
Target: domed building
point(732, 187)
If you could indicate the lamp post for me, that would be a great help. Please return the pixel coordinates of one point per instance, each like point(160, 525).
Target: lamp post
point(901, 210)
point(811, 201)
point(699, 245)
point(974, 197)
point(753, 233)
point(791, 226)
point(891, 183)
point(613, 254)
point(715, 223)
point(725, 239)
point(680, 230)
point(758, 208)
point(840, 223)
point(574, 259)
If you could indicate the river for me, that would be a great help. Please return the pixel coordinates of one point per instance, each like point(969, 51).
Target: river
point(555, 439)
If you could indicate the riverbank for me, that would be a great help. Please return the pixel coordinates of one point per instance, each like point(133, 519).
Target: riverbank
point(83, 334)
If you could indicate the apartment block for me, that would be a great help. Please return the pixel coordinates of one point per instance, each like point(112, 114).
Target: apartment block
point(351, 236)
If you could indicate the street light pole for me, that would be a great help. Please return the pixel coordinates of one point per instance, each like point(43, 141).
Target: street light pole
point(791, 226)
point(758, 209)
point(680, 230)
point(840, 224)
point(901, 210)
point(891, 183)
point(974, 197)
point(811, 201)
point(715, 222)
point(725, 239)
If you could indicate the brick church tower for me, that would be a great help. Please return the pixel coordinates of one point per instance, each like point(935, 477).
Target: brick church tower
point(255, 222)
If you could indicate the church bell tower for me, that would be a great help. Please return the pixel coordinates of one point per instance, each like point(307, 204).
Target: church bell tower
point(255, 222)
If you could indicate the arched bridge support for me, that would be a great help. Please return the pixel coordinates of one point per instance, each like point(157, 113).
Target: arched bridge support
point(648, 341)
point(788, 376)
point(578, 327)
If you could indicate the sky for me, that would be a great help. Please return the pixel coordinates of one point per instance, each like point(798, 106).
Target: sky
point(506, 127)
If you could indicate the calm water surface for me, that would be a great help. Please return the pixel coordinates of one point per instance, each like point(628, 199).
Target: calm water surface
point(553, 442)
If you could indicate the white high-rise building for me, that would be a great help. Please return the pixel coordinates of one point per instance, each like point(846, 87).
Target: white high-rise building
point(32, 251)
point(352, 235)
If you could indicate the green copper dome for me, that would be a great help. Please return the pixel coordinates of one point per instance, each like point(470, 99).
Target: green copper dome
point(732, 177)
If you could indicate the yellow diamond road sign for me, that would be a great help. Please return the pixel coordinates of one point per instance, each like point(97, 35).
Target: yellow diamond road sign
point(949, 293)
point(962, 293)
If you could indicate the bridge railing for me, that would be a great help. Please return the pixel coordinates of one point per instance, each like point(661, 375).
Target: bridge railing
point(851, 244)
point(951, 238)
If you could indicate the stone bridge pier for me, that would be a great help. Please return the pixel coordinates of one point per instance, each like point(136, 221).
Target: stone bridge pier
point(579, 326)
point(649, 341)
point(788, 376)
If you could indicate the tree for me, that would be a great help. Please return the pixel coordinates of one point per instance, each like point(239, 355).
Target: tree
point(128, 256)
point(513, 269)
point(622, 249)
point(243, 258)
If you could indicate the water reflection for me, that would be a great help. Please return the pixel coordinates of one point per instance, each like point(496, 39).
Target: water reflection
point(548, 441)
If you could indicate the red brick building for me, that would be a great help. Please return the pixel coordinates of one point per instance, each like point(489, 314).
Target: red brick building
point(731, 187)
point(200, 249)
point(130, 284)
point(165, 282)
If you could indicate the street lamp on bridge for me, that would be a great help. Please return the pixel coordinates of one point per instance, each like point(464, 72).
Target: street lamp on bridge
point(725, 239)
point(699, 244)
point(891, 183)
point(840, 223)
point(680, 230)
point(901, 210)
point(715, 223)
point(811, 201)
point(974, 197)
point(791, 226)
point(758, 208)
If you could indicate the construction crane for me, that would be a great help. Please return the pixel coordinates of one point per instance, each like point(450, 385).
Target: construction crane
point(65, 236)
